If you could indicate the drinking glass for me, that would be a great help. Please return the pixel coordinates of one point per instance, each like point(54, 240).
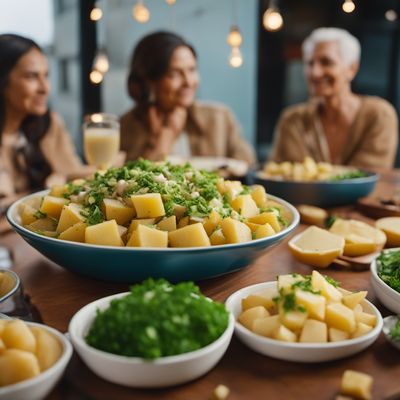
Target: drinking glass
point(101, 138)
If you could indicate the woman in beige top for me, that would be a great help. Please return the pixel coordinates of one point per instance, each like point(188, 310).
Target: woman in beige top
point(166, 119)
point(34, 145)
point(336, 125)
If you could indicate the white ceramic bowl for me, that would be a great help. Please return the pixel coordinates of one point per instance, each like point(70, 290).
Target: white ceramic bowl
point(298, 352)
point(386, 295)
point(40, 386)
point(136, 371)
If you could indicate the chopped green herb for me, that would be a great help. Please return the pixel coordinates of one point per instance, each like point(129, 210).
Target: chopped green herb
point(395, 331)
point(350, 175)
point(330, 221)
point(40, 214)
point(388, 264)
point(332, 281)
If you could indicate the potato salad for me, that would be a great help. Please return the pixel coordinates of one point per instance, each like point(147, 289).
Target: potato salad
point(147, 204)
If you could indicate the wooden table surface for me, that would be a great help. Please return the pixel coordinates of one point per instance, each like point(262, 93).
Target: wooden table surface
point(58, 294)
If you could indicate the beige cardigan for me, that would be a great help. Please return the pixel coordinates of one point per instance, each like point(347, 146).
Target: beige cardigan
point(212, 130)
point(372, 140)
point(58, 150)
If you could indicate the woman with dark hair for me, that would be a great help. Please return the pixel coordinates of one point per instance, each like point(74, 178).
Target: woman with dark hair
point(33, 141)
point(166, 119)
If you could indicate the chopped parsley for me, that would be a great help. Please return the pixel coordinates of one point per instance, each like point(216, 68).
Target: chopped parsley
point(388, 269)
point(350, 175)
point(158, 319)
point(330, 221)
point(40, 214)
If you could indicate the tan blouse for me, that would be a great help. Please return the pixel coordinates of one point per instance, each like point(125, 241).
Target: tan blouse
point(372, 140)
point(212, 130)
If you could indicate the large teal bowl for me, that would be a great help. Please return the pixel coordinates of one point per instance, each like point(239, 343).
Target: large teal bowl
point(129, 264)
point(318, 193)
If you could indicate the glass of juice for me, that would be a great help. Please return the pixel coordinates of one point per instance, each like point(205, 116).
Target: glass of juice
point(101, 139)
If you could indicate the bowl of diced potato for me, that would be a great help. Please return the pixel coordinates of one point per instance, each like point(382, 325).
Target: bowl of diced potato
point(153, 220)
point(304, 318)
point(315, 183)
point(33, 358)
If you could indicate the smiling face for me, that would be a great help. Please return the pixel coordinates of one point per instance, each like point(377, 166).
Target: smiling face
point(178, 87)
point(326, 72)
point(27, 88)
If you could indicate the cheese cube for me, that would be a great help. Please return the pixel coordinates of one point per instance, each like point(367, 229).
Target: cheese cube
point(314, 332)
point(357, 384)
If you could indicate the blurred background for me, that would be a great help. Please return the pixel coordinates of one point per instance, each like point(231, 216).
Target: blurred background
point(256, 78)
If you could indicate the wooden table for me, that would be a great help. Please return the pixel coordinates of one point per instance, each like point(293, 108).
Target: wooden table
point(58, 294)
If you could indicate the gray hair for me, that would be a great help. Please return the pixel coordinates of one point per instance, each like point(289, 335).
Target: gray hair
point(349, 45)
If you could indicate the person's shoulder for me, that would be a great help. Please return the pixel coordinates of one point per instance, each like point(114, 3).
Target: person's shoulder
point(377, 105)
point(56, 120)
point(209, 108)
point(297, 110)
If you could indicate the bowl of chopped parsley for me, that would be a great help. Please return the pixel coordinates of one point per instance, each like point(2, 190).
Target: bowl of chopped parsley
point(385, 278)
point(156, 335)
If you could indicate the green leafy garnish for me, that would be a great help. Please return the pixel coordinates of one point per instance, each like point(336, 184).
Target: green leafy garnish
point(395, 331)
point(40, 214)
point(330, 221)
point(158, 319)
point(350, 175)
point(388, 269)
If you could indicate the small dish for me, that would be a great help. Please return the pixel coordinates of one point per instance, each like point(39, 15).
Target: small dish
point(138, 372)
point(388, 323)
point(298, 352)
point(40, 386)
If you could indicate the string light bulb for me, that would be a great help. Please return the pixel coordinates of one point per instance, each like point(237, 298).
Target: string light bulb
point(235, 58)
point(391, 15)
point(170, 2)
point(140, 12)
point(348, 6)
point(272, 19)
point(234, 38)
point(101, 62)
point(95, 77)
point(96, 13)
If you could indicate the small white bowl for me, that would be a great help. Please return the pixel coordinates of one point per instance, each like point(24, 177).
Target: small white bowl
point(388, 323)
point(386, 295)
point(298, 352)
point(136, 371)
point(40, 386)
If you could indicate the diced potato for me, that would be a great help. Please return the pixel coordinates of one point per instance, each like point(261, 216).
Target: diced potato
point(245, 206)
point(70, 215)
point(284, 334)
point(258, 194)
point(336, 335)
point(211, 222)
point(58, 190)
point(357, 384)
point(231, 188)
point(2, 346)
point(286, 281)
point(246, 318)
point(254, 300)
point(144, 236)
point(264, 231)
point(52, 206)
point(122, 230)
point(136, 222)
point(7, 283)
point(341, 317)
point(361, 329)
point(217, 238)
point(179, 211)
point(235, 231)
point(43, 225)
point(149, 205)
point(189, 236)
point(314, 332)
point(184, 221)
point(294, 320)
point(105, 234)
point(115, 209)
point(17, 365)
point(75, 233)
point(269, 217)
point(167, 224)
point(365, 318)
point(266, 326)
point(327, 290)
point(27, 213)
point(253, 227)
point(48, 348)
point(313, 303)
point(17, 335)
point(352, 299)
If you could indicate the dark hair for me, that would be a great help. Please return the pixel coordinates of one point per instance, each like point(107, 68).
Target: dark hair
point(33, 127)
point(150, 61)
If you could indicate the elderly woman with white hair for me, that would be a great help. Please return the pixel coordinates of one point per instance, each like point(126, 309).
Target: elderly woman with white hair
point(336, 125)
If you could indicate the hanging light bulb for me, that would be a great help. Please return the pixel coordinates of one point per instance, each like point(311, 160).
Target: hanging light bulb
point(101, 62)
point(96, 12)
point(348, 6)
point(391, 15)
point(234, 38)
point(235, 58)
point(96, 77)
point(272, 19)
point(171, 2)
point(140, 12)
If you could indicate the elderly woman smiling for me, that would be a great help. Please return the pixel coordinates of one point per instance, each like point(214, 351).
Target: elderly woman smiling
point(336, 125)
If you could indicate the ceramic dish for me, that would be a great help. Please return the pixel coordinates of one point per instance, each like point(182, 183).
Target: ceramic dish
point(40, 386)
point(388, 323)
point(135, 371)
point(130, 264)
point(298, 352)
point(318, 193)
point(386, 295)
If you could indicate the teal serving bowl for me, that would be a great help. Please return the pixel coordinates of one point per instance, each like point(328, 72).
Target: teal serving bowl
point(318, 193)
point(131, 264)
